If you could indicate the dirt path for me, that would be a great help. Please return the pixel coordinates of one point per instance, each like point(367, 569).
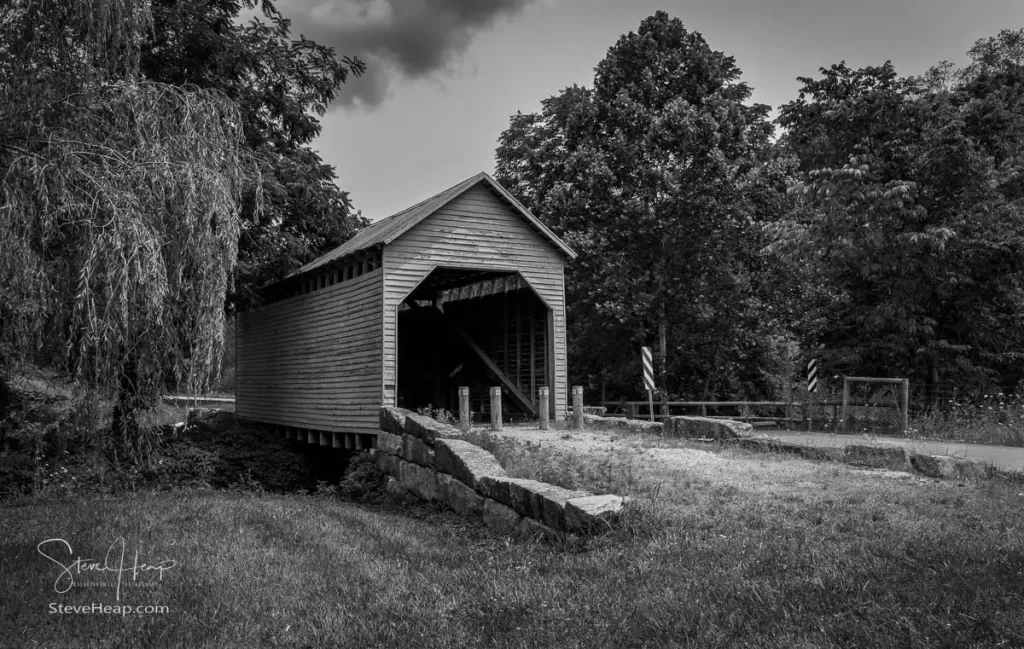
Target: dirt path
point(664, 457)
point(682, 455)
point(670, 452)
point(676, 459)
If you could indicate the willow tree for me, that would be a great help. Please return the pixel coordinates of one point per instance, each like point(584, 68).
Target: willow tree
point(119, 203)
point(282, 86)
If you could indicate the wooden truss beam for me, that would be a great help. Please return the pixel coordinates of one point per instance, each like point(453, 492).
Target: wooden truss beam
point(517, 395)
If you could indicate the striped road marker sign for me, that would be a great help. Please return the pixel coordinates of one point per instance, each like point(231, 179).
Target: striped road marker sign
point(645, 356)
point(812, 375)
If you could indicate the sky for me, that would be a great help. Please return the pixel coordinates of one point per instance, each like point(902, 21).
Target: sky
point(444, 76)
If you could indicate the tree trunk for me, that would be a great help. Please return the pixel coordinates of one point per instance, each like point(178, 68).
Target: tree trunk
point(787, 376)
point(663, 353)
point(933, 377)
point(663, 349)
point(124, 424)
point(711, 375)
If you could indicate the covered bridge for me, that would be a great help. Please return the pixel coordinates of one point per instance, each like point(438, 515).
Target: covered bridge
point(464, 288)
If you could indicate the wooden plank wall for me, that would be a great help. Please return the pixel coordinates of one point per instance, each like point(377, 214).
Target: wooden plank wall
point(314, 360)
point(477, 230)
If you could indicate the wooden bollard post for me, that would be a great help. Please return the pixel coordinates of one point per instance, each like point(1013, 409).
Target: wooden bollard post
point(496, 408)
point(542, 407)
point(464, 422)
point(577, 407)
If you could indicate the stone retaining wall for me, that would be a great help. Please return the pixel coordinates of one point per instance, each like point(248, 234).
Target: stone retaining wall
point(427, 458)
point(895, 458)
point(692, 427)
point(623, 424)
point(872, 456)
point(706, 428)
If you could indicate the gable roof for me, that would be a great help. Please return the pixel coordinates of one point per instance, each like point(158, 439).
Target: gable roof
point(387, 230)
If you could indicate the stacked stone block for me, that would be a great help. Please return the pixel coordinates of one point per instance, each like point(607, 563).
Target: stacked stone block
point(622, 424)
point(426, 458)
point(706, 428)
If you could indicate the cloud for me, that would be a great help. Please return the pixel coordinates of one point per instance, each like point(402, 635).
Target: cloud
point(409, 39)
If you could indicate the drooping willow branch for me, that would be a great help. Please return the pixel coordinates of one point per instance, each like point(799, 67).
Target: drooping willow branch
point(121, 230)
point(119, 203)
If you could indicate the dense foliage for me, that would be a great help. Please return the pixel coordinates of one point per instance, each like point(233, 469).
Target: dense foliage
point(659, 177)
point(143, 148)
point(119, 206)
point(910, 204)
point(882, 232)
point(280, 87)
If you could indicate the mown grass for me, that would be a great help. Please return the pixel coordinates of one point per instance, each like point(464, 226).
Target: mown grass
point(753, 550)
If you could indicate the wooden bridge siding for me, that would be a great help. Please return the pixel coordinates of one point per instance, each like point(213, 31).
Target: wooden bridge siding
point(476, 230)
point(314, 360)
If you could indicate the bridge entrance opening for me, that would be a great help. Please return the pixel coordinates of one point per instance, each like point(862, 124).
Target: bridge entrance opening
point(479, 329)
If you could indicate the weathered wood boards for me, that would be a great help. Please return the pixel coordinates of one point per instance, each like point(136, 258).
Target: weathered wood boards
point(477, 231)
point(314, 360)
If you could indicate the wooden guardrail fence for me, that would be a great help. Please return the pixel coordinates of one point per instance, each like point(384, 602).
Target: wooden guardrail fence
point(744, 410)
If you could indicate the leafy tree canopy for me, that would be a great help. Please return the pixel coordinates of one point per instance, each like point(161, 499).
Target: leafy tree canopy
point(119, 205)
point(910, 202)
point(280, 85)
point(657, 176)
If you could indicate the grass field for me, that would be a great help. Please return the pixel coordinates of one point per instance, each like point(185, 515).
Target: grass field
point(736, 549)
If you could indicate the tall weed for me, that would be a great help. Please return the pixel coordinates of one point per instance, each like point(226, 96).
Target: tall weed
point(989, 419)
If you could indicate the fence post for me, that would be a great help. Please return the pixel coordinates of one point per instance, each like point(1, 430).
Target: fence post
point(846, 404)
point(464, 422)
point(577, 407)
point(496, 408)
point(542, 407)
point(634, 411)
point(905, 415)
point(810, 411)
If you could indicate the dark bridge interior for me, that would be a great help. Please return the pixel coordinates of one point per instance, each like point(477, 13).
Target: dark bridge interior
point(478, 329)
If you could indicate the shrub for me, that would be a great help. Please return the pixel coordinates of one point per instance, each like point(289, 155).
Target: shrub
point(362, 479)
point(439, 414)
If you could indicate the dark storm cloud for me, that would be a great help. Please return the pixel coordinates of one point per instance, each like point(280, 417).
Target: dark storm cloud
point(407, 38)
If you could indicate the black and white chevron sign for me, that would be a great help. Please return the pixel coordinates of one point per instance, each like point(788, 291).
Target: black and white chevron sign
point(645, 356)
point(812, 375)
